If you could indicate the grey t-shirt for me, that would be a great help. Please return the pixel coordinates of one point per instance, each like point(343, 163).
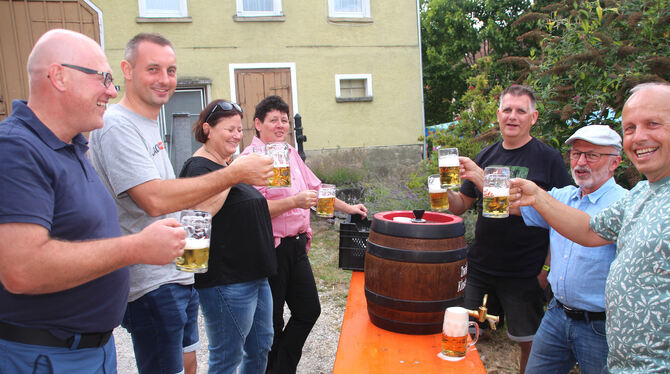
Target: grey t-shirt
point(127, 152)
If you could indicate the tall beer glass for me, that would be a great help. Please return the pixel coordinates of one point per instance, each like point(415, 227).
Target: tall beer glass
point(450, 169)
point(198, 226)
point(455, 334)
point(438, 194)
point(496, 192)
point(281, 169)
point(326, 203)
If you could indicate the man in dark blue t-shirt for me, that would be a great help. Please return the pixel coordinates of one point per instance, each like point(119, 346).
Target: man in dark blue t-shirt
point(506, 258)
point(62, 264)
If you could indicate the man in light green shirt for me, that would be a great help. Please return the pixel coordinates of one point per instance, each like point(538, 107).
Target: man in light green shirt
point(638, 286)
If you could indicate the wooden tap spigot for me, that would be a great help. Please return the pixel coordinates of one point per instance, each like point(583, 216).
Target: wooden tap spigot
point(482, 315)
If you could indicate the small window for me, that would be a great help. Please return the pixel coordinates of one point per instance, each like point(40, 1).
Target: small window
point(163, 8)
point(258, 8)
point(353, 87)
point(349, 8)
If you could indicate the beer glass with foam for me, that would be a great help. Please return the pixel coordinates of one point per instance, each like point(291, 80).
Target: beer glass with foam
point(198, 226)
point(438, 194)
point(281, 169)
point(325, 206)
point(450, 169)
point(496, 192)
point(455, 334)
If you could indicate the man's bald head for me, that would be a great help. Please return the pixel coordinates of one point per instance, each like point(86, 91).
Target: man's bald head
point(69, 83)
point(60, 46)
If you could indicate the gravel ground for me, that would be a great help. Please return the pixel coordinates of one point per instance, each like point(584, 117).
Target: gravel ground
point(318, 354)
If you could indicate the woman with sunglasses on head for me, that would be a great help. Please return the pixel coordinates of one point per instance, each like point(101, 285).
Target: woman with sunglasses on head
point(235, 296)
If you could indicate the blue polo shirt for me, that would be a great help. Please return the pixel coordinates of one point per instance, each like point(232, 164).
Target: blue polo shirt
point(50, 183)
point(578, 274)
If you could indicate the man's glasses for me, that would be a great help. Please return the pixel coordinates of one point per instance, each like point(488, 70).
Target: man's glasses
point(223, 106)
point(590, 156)
point(107, 79)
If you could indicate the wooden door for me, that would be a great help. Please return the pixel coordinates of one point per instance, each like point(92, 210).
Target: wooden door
point(252, 86)
point(22, 22)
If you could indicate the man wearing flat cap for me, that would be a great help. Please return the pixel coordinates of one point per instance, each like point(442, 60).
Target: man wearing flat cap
point(573, 327)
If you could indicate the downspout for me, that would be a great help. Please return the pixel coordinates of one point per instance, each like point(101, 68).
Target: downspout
point(423, 113)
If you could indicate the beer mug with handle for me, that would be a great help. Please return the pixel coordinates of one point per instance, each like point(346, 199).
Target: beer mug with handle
point(198, 226)
point(450, 168)
point(281, 169)
point(326, 204)
point(455, 334)
point(496, 192)
point(438, 194)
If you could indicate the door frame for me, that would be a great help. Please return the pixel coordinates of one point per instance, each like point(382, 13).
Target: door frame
point(266, 65)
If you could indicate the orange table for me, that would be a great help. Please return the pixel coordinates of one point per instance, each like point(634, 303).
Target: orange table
point(366, 348)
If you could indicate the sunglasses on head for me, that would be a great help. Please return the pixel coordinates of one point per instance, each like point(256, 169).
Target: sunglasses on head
point(223, 106)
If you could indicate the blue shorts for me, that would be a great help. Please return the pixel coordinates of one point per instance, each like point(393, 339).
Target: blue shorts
point(19, 358)
point(163, 325)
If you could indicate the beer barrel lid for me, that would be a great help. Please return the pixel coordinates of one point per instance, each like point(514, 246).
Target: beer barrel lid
point(399, 223)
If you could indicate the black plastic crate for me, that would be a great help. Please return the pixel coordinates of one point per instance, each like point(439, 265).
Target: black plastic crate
point(353, 240)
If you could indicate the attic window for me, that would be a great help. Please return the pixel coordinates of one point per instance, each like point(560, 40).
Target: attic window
point(353, 87)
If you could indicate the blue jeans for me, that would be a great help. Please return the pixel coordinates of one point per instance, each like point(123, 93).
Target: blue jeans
point(18, 358)
point(561, 341)
point(163, 325)
point(238, 321)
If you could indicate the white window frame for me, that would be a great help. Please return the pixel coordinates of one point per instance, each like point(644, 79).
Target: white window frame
point(276, 11)
point(364, 13)
point(161, 13)
point(368, 85)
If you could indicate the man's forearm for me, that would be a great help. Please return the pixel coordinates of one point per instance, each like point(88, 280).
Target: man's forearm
point(570, 222)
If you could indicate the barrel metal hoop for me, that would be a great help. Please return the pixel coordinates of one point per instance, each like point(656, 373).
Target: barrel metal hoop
point(411, 305)
point(404, 327)
point(417, 230)
point(424, 257)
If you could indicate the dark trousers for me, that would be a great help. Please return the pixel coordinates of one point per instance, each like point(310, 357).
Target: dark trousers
point(294, 284)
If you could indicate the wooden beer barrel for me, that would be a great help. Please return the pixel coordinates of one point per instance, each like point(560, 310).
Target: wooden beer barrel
point(414, 271)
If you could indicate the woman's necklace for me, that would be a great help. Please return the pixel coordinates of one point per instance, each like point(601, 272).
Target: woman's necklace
point(216, 158)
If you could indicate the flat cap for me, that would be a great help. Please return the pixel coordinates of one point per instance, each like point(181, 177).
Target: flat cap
point(598, 135)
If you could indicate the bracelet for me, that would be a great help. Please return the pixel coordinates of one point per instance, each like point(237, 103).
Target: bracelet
point(545, 267)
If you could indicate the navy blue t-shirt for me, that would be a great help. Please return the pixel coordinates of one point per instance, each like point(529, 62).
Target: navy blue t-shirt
point(506, 246)
point(47, 182)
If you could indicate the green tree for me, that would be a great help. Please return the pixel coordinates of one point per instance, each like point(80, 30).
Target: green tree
point(454, 34)
point(593, 53)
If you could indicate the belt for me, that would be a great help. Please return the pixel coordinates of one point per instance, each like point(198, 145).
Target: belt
point(581, 315)
point(33, 336)
point(302, 235)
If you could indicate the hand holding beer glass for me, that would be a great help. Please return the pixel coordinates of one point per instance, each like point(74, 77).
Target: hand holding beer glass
point(455, 334)
point(496, 192)
point(326, 204)
point(198, 226)
point(282, 171)
point(450, 168)
point(438, 194)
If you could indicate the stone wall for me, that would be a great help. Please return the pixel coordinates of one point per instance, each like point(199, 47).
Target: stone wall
point(379, 161)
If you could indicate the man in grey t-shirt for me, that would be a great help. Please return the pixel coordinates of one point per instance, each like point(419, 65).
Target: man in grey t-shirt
point(131, 159)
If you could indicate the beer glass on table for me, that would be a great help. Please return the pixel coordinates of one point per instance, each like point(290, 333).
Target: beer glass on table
point(198, 226)
point(450, 169)
point(496, 192)
point(438, 194)
point(455, 334)
point(281, 169)
point(325, 206)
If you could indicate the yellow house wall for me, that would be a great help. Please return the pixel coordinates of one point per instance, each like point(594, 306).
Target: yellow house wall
point(387, 48)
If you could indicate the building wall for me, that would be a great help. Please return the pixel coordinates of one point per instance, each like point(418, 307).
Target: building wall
point(388, 48)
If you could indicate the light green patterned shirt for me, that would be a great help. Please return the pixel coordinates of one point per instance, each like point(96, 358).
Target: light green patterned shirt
point(638, 286)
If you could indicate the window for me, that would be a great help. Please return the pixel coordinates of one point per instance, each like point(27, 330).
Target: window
point(258, 8)
point(353, 87)
point(349, 8)
point(163, 8)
